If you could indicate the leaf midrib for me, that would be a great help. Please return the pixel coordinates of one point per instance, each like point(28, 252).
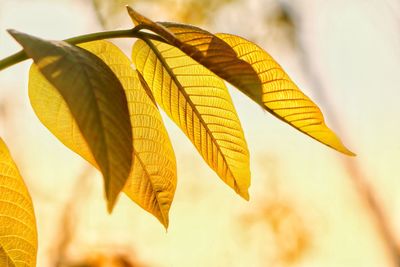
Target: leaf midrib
point(192, 105)
point(165, 220)
point(257, 48)
point(103, 137)
point(84, 73)
point(152, 185)
point(10, 260)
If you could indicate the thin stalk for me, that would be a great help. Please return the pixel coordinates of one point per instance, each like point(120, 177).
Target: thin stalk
point(131, 33)
point(353, 167)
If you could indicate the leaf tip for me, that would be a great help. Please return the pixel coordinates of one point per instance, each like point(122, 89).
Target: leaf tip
point(349, 153)
point(129, 9)
point(110, 205)
point(22, 38)
point(14, 33)
point(245, 195)
point(165, 224)
point(339, 146)
point(111, 200)
point(137, 19)
point(164, 219)
point(241, 186)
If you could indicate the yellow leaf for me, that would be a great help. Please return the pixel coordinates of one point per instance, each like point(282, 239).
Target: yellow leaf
point(281, 96)
point(230, 57)
point(96, 100)
point(152, 180)
point(205, 48)
point(251, 70)
point(199, 103)
point(18, 236)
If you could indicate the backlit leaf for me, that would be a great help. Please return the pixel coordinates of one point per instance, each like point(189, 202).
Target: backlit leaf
point(199, 103)
point(96, 100)
point(18, 236)
point(206, 49)
point(152, 180)
point(251, 70)
point(230, 58)
point(281, 96)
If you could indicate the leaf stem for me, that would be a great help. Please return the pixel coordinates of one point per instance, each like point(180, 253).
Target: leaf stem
point(130, 33)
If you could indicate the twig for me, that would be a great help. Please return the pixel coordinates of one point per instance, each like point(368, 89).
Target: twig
point(131, 33)
point(68, 222)
point(352, 167)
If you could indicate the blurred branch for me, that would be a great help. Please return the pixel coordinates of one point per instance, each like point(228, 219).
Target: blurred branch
point(108, 13)
point(393, 9)
point(68, 223)
point(97, 11)
point(353, 167)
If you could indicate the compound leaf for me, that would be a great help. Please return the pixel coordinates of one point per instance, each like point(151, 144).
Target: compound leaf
point(231, 57)
point(205, 48)
point(251, 70)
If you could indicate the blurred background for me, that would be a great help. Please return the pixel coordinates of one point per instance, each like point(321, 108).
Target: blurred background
point(310, 206)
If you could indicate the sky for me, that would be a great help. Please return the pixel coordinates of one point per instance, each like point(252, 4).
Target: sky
point(351, 46)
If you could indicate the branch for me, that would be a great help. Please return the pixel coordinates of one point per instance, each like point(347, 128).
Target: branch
point(131, 33)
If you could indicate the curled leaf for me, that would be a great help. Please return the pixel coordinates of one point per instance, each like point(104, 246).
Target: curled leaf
point(18, 235)
point(199, 103)
point(152, 180)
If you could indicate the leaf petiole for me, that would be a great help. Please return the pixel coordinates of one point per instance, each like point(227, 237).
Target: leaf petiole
point(131, 33)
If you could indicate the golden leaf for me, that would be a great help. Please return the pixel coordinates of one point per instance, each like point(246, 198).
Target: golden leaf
point(18, 235)
point(205, 48)
point(281, 96)
point(251, 70)
point(96, 100)
point(199, 103)
point(152, 180)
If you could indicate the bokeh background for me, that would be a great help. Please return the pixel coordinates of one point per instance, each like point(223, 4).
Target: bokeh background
point(310, 206)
